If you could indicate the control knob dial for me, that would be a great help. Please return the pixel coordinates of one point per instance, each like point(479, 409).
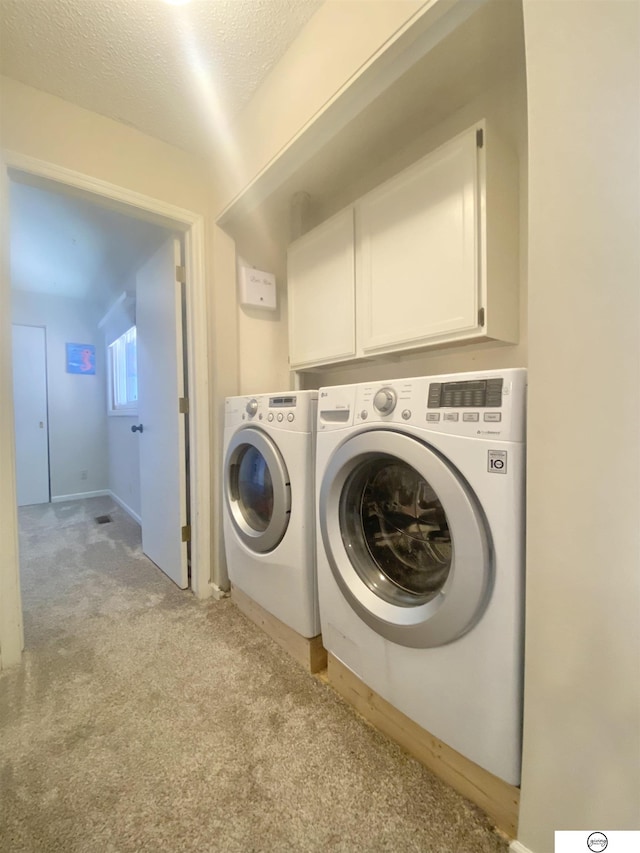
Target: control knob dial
point(252, 407)
point(385, 401)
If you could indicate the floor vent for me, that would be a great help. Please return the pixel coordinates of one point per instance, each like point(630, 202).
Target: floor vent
point(103, 519)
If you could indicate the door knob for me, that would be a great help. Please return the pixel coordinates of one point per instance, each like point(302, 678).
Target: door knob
point(137, 428)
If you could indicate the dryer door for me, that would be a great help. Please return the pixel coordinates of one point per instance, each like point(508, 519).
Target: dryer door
point(405, 539)
point(257, 490)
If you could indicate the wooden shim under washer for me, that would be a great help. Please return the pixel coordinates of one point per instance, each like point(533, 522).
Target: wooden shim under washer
point(499, 800)
point(309, 652)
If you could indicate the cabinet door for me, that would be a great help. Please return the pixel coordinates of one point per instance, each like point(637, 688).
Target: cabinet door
point(417, 252)
point(321, 292)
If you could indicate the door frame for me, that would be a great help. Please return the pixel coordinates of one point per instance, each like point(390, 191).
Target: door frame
point(192, 227)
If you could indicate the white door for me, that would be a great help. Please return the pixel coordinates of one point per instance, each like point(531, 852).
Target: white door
point(163, 492)
point(30, 411)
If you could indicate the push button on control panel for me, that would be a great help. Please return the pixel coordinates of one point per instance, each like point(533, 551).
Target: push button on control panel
point(433, 416)
point(470, 416)
point(280, 417)
point(406, 414)
point(451, 416)
point(494, 417)
point(270, 417)
point(290, 417)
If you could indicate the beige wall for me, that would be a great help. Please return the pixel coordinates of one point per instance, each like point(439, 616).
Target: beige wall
point(11, 633)
point(582, 691)
point(44, 127)
point(339, 40)
point(331, 49)
point(48, 128)
point(262, 334)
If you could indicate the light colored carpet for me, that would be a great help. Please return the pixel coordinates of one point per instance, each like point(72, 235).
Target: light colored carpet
point(143, 720)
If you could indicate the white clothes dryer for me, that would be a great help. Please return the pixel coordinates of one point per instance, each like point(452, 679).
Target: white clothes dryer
point(269, 498)
point(420, 512)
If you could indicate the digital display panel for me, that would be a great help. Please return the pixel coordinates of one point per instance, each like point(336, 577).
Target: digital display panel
point(473, 393)
point(281, 402)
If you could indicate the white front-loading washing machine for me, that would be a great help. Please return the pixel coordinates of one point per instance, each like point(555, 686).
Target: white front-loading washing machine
point(420, 512)
point(269, 498)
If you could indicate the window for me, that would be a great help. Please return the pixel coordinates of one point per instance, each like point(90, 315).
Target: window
point(123, 374)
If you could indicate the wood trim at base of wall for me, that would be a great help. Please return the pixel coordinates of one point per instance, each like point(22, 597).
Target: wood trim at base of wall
point(309, 652)
point(497, 798)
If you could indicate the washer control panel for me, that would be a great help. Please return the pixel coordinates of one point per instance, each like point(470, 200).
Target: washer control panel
point(469, 393)
point(487, 404)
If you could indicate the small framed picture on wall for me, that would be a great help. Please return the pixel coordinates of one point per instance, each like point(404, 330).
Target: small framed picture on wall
point(81, 358)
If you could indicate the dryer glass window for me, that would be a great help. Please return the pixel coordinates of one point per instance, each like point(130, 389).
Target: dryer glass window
point(395, 531)
point(254, 488)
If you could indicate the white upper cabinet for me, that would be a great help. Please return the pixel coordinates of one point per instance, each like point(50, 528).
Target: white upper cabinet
point(320, 278)
point(436, 260)
point(417, 251)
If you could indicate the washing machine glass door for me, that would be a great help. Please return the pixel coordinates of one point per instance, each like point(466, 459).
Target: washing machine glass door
point(257, 490)
point(405, 539)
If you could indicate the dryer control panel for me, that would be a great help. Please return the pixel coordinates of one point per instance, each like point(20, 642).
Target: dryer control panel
point(294, 411)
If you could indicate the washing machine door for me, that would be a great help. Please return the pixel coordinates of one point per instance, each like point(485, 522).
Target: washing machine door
point(257, 490)
point(405, 539)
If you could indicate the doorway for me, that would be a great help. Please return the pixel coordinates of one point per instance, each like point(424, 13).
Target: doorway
point(191, 226)
point(85, 256)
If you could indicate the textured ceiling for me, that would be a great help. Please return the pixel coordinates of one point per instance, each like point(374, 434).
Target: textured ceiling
point(160, 68)
point(169, 71)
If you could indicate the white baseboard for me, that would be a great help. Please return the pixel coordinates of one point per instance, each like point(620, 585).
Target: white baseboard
point(516, 847)
point(55, 499)
point(127, 509)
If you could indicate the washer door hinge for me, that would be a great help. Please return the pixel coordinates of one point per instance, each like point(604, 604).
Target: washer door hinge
point(480, 138)
point(183, 405)
point(481, 317)
point(186, 533)
point(181, 275)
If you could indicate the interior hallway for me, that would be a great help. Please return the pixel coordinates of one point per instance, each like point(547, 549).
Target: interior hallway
point(114, 738)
